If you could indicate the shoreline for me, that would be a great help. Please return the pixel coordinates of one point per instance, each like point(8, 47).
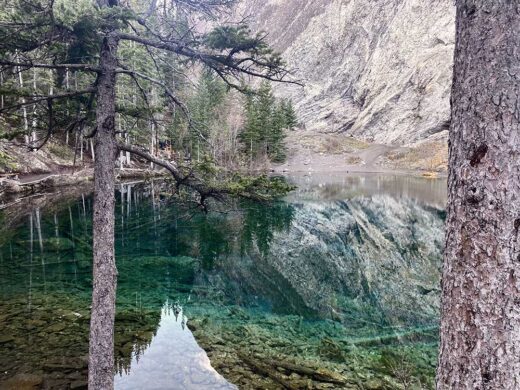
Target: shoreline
point(361, 170)
point(18, 187)
point(361, 159)
point(13, 187)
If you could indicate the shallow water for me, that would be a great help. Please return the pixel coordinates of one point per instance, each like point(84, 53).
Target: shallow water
point(172, 360)
point(343, 276)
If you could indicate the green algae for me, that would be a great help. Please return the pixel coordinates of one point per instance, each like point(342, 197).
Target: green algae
point(320, 346)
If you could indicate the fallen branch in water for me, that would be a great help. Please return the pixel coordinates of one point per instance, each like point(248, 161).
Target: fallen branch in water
point(257, 188)
point(320, 375)
point(265, 370)
point(270, 368)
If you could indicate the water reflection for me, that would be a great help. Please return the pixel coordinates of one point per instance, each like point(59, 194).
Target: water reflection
point(343, 270)
point(173, 360)
point(340, 186)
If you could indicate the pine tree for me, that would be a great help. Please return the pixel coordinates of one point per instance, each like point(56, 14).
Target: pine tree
point(204, 105)
point(480, 316)
point(290, 118)
point(266, 122)
point(89, 38)
point(251, 135)
point(264, 112)
point(276, 134)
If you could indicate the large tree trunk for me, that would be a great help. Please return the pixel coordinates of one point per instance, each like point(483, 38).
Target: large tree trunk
point(480, 325)
point(101, 353)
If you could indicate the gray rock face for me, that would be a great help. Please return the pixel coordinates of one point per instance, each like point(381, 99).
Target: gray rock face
point(375, 69)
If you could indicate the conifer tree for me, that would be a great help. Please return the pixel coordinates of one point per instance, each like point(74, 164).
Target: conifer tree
point(290, 118)
point(276, 134)
point(266, 122)
point(88, 39)
point(480, 316)
point(209, 96)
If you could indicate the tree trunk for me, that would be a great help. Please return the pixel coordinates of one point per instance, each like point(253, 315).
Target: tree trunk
point(24, 108)
point(480, 320)
point(2, 87)
point(101, 353)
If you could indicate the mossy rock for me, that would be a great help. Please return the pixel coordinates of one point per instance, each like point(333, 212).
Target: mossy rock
point(374, 384)
point(331, 350)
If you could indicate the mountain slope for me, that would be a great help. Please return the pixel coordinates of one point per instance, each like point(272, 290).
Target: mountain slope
point(378, 69)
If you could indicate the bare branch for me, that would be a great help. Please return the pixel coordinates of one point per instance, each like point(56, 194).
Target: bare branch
point(173, 169)
point(189, 180)
point(85, 67)
point(37, 98)
point(167, 90)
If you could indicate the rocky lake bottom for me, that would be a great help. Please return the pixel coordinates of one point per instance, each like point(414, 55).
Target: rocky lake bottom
point(336, 287)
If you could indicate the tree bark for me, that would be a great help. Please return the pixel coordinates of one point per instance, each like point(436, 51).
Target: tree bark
point(480, 319)
point(101, 349)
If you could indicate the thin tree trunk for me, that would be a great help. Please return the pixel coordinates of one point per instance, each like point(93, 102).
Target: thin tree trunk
point(81, 144)
point(480, 324)
point(2, 85)
point(51, 80)
point(31, 257)
point(67, 85)
point(35, 111)
point(120, 128)
point(101, 353)
point(152, 140)
point(128, 155)
point(93, 155)
point(24, 108)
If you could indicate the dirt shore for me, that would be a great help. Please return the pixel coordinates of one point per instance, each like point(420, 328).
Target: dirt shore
point(322, 153)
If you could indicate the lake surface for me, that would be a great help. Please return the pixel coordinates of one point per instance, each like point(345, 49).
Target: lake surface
point(335, 287)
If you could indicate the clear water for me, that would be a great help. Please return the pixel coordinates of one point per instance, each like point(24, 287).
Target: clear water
point(342, 278)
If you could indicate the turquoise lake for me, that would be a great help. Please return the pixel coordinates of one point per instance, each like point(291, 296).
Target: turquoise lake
point(334, 287)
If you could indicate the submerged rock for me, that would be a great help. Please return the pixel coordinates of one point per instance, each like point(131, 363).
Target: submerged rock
point(329, 349)
point(23, 382)
point(374, 384)
point(6, 339)
point(55, 328)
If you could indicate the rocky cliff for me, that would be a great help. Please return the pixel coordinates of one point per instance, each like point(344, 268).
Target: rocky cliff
point(374, 69)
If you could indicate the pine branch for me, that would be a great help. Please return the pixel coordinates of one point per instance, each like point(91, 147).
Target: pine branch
point(224, 64)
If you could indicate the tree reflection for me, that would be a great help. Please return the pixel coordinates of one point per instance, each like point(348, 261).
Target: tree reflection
point(260, 223)
point(164, 252)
